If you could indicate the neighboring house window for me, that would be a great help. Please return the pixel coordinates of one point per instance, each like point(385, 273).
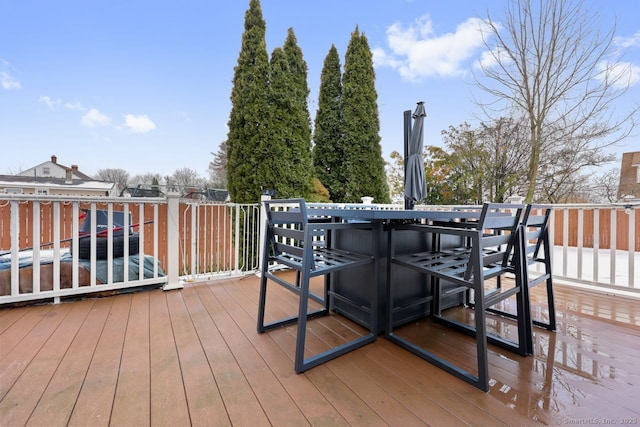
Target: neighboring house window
point(637, 173)
point(13, 190)
point(45, 170)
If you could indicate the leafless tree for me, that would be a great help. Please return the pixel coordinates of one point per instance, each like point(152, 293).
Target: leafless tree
point(505, 144)
point(185, 177)
point(218, 167)
point(561, 178)
point(549, 61)
point(146, 179)
point(395, 177)
point(605, 186)
point(119, 176)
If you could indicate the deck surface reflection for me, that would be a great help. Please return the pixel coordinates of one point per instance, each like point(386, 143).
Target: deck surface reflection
point(193, 357)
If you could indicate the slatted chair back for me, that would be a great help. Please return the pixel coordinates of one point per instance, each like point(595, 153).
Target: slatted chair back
point(295, 238)
point(499, 223)
point(286, 232)
point(536, 222)
point(538, 251)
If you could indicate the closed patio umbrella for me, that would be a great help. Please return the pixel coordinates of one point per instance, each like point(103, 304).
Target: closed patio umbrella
point(415, 185)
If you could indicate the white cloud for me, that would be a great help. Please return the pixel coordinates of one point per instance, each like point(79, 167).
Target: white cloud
point(627, 42)
point(55, 103)
point(417, 52)
point(93, 117)
point(139, 124)
point(489, 58)
point(621, 74)
point(74, 106)
point(51, 103)
point(8, 82)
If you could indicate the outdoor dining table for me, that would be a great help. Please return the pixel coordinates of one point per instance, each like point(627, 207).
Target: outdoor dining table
point(356, 284)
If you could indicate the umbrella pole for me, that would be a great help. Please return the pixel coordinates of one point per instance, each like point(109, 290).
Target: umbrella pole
point(407, 138)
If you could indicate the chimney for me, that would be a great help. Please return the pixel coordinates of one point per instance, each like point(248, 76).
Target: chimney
point(74, 168)
point(69, 177)
point(54, 159)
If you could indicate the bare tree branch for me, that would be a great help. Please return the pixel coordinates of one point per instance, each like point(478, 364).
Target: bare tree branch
point(550, 62)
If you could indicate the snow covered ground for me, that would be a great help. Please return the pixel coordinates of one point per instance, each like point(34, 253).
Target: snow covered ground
point(567, 266)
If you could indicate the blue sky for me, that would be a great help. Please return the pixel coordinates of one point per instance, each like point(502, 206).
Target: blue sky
point(145, 85)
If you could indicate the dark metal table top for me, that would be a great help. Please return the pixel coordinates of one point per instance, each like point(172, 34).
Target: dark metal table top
point(373, 214)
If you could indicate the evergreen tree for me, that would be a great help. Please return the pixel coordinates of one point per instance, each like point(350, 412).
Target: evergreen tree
point(249, 110)
point(365, 165)
point(299, 118)
point(328, 149)
point(276, 151)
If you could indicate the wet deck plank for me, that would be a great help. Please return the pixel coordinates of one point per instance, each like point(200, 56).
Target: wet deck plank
point(193, 357)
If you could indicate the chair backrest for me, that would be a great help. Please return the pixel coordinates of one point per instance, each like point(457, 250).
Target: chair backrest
point(290, 233)
point(535, 223)
point(499, 223)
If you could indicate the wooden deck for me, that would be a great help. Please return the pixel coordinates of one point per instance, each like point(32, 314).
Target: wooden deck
point(193, 357)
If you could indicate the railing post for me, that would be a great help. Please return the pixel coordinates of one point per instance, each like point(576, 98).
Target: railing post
point(632, 246)
point(195, 243)
point(15, 246)
point(263, 230)
point(237, 239)
point(173, 240)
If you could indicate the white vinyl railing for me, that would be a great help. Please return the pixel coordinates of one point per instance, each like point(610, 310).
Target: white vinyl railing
point(45, 255)
point(594, 245)
point(187, 240)
point(597, 245)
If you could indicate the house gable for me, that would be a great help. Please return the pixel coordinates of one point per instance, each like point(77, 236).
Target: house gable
point(52, 169)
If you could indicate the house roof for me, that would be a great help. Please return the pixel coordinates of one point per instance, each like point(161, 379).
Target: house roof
point(54, 163)
point(48, 182)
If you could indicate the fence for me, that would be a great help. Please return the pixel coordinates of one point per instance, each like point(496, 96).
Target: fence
point(594, 244)
point(597, 245)
point(182, 240)
point(43, 253)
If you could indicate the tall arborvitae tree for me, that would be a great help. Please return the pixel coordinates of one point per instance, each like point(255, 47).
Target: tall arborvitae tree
point(328, 150)
point(299, 118)
point(365, 164)
point(249, 110)
point(276, 151)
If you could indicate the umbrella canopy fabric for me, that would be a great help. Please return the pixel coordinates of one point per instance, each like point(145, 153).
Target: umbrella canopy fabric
point(415, 185)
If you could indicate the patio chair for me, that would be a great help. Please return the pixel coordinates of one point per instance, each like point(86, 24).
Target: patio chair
point(494, 240)
point(537, 250)
point(302, 242)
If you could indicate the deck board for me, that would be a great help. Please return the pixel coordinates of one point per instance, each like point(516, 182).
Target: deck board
point(132, 399)
point(168, 398)
point(205, 404)
point(303, 393)
point(239, 362)
point(25, 394)
point(60, 396)
point(193, 357)
point(95, 400)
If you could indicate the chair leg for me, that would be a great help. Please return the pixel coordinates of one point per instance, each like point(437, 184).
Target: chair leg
point(301, 336)
point(551, 324)
point(262, 302)
point(550, 300)
point(551, 304)
point(481, 340)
